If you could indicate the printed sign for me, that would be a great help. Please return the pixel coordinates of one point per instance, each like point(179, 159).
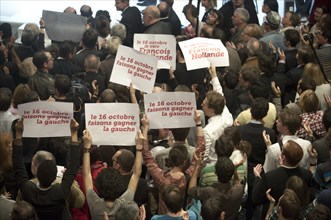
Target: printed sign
point(46, 119)
point(202, 52)
point(170, 109)
point(112, 123)
point(159, 45)
point(136, 67)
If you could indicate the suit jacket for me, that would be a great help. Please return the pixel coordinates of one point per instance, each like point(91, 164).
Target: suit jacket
point(131, 18)
point(227, 10)
point(175, 23)
point(64, 66)
point(158, 28)
point(291, 61)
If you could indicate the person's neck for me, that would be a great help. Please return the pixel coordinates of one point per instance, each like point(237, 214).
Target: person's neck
point(177, 214)
point(180, 59)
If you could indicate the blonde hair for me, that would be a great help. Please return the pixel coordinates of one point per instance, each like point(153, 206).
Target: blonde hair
point(309, 102)
point(19, 93)
point(27, 68)
point(313, 71)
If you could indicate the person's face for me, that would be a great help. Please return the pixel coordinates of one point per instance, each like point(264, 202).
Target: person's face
point(145, 18)
point(115, 159)
point(236, 19)
point(163, 133)
point(318, 12)
point(49, 61)
point(238, 3)
point(279, 125)
point(286, 19)
point(320, 38)
point(120, 6)
point(206, 3)
point(206, 110)
point(212, 19)
point(245, 35)
point(265, 8)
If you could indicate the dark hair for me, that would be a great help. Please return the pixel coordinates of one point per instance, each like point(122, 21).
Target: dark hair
point(28, 37)
point(212, 208)
point(5, 98)
point(122, 93)
point(224, 169)
point(267, 63)
point(104, 13)
point(31, 96)
point(234, 134)
point(250, 74)
point(126, 160)
point(177, 156)
point(164, 10)
point(107, 96)
point(182, 88)
point(295, 19)
point(102, 25)
point(66, 48)
point(90, 37)
point(291, 120)
point(173, 198)
point(86, 11)
point(305, 54)
point(292, 36)
point(259, 108)
point(320, 212)
point(327, 124)
point(39, 58)
point(307, 84)
point(46, 173)
point(109, 184)
point(231, 80)
point(293, 152)
point(62, 83)
point(219, 16)
point(23, 210)
point(180, 134)
point(272, 4)
point(224, 146)
point(106, 153)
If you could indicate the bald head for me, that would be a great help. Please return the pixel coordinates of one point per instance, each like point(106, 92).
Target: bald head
point(151, 15)
point(70, 10)
point(164, 9)
point(92, 63)
point(38, 158)
point(108, 96)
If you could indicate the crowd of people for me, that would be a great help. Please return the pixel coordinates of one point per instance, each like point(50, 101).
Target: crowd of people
point(261, 145)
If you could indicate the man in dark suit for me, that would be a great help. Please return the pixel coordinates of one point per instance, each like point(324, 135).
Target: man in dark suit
point(276, 179)
point(173, 18)
point(131, 18)
point(228, 10)
point(151, 18)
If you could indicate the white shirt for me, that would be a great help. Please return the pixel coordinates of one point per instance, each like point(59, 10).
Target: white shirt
point(272, 161)
point(215, 127)
point(6, 120)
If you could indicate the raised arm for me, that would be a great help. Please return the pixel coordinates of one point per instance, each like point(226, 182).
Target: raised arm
point(138, 162)
point(87, 141)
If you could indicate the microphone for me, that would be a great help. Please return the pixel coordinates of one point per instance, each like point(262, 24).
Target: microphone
point(308, 36)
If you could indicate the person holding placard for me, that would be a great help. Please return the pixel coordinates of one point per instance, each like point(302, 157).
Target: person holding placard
point(109, 183)
point(219, 117)
point(48, 199)
point(178, 161)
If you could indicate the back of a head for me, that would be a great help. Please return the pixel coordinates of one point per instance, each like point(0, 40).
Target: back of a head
point(113, 43)
point(27, 37)
point(32, 27)
point(119, 30)
point(259, 108)
point(104, 13)
point(295, 19)
point(86, 11)
point(250, 74)
point(107, 96)
point(90, 38)
point(291, 120)
point(224, 169)
point(39, 58)
point(19, 93)
point(292, 152)
point(102, 25)
point(164, 9)
point(320, 212)
point(31, 96)
point(126, 160)
point(127, 211)
point(66, 48)
point(307, 84)
point(292, 36)
point(313, 71)
point(255, 30)
point(258, 90)
point(6, 30)
point(70, 10)
point(305, 55)
point(231, 80)
point(212, 208)
point(5, 98)
point(289, 204)
point(299, 186)
point(224, 146)
point(173, 198)
point(253, 47)
point(62, 84)
point(109, 184)
point(122, 93)
point(272, 4)
point(27, 68)
point(180, 134)
point(267, 63)
point(92, 62)
point(46, 173)
point(177, 156)
point(324, 198)
point(153, 11)
point(23, 210)
point(309, 102)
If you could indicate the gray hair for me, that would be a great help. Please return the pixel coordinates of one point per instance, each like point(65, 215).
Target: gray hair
point(119, 30)
point(243, 13)
point(113, 44)
point(128, 211)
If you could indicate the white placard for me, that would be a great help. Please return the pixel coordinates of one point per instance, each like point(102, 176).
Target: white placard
point(170, 109)
point(136, 67)
point(112, 123)
point(161, 46)
point(46, 119)
point(202, 52)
